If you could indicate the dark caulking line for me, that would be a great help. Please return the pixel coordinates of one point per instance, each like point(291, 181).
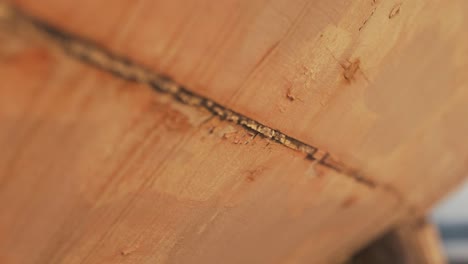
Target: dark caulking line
point(95, 55)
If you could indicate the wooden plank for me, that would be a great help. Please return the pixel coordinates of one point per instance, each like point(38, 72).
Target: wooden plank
point(95, 169)
point(355, 78)
point(118, 174)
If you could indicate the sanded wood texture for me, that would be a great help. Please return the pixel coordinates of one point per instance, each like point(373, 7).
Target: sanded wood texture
point(99, 166)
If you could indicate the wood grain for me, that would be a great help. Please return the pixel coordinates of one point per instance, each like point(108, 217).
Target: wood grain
point(98, 169)
point(399, 119)
point(95, 169)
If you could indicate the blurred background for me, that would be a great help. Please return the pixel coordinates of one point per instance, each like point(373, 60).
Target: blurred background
point(451, 215)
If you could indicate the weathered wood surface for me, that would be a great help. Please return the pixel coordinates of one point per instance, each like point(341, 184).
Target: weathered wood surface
point(97, 169)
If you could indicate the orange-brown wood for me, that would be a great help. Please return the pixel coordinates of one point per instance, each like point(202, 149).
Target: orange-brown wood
point(398, 116)
point(96, 169)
